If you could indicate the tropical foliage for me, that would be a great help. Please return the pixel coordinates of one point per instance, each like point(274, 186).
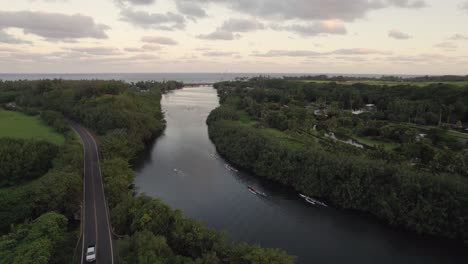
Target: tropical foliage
point(407, 173)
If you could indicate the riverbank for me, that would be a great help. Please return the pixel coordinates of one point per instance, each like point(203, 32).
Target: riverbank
point(399, 195)
point(183, 169)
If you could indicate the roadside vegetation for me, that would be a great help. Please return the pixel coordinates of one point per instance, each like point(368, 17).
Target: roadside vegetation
point(386, 80)
point(40, 191)
point(396, 152)
point(126, 118)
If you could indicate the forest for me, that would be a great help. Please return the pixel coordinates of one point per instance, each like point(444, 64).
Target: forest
point(40, 193)
point(398, 153)
point(126, 118)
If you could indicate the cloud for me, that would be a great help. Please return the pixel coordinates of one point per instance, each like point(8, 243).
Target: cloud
point(96, 50)
point(150, 47)
point(241, 25)
point(167, 21)
point(190, 9)
point(137, 2)
point(219, 35)
point(133, 49)
point(219, 53)
point(159, 40)
point(333, 26)
point(408, 3)
point(310, 10)
point(359, 51)
point(427, 59)
point(310, 53)
point(288, 53)
point(459, 37)
point(62, 1)
point(396, 34)
point(144, 48)
point(448, 46)
point(53, 26)
point(230, 28)
point(464, 6)
point(10, 39)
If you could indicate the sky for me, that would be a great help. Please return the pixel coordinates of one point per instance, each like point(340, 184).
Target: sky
point(259, 36)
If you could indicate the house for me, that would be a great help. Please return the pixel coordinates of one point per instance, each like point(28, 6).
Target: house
point(11, 106)
point(370, 107)
point(358, 112)
point(321, 112)
point(457, 126)
point(420, 137)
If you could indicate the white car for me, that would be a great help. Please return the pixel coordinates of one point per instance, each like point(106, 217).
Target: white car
point(91, 253)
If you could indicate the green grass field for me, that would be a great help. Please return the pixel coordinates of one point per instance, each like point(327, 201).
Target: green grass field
point(18, 125)
point(390, 83)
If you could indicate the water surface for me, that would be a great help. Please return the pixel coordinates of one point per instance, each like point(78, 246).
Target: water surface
point(184, 170)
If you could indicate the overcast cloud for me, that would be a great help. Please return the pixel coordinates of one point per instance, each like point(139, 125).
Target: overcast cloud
point(53, 26)
point(163, 21)
point(159, 40)
point(211, 35)
point(348, 10)
point(396, 34)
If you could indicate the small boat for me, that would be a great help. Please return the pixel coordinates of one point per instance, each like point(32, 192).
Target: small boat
point(230, 168)
point(255, 191)
point(252, 189)
point(312, 200)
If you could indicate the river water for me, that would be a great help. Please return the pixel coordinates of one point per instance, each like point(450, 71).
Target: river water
point(183, 169)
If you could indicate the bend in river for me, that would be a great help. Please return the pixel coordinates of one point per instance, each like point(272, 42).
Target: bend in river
point(184, 171)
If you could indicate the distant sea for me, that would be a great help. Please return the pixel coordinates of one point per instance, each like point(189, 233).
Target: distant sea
point(135, 77)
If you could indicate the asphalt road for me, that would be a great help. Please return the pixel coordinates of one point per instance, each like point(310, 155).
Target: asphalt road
point(95, 217)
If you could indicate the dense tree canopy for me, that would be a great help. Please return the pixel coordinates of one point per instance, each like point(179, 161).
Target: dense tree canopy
point(405, 170)
point(126, 116)
point(23, 160)
point(39, 242)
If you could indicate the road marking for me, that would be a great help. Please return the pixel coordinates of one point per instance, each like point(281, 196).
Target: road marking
point(83, 213)
point(94, 203)
point(104, 196)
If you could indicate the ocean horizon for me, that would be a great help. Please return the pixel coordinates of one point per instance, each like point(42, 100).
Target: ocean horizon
point(182, 77)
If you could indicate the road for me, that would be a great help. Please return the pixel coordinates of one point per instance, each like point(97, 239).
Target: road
point(96, 229)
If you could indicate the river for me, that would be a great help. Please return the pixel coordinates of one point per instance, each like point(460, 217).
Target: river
point(183, 169)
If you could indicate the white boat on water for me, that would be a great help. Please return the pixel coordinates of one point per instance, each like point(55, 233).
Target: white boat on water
point(312, 200)
point(252, 191)
point(230, 168)
point(255, 191)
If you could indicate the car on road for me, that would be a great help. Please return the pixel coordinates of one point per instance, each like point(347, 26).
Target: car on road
point(91, 253)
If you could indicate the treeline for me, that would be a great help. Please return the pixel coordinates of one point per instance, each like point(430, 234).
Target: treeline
point(41, 181)
point(43, 241)
point(396, 119)
point(413, 178)
point(125, 120)
point(24, 160)
point(426, 203)
point(429, 105)
point(162, 86)
point(59, 189)
point(341, 78)
point(155, 233)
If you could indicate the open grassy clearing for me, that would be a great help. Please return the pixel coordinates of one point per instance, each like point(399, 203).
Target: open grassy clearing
point(18, 125)
point(374, 142)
